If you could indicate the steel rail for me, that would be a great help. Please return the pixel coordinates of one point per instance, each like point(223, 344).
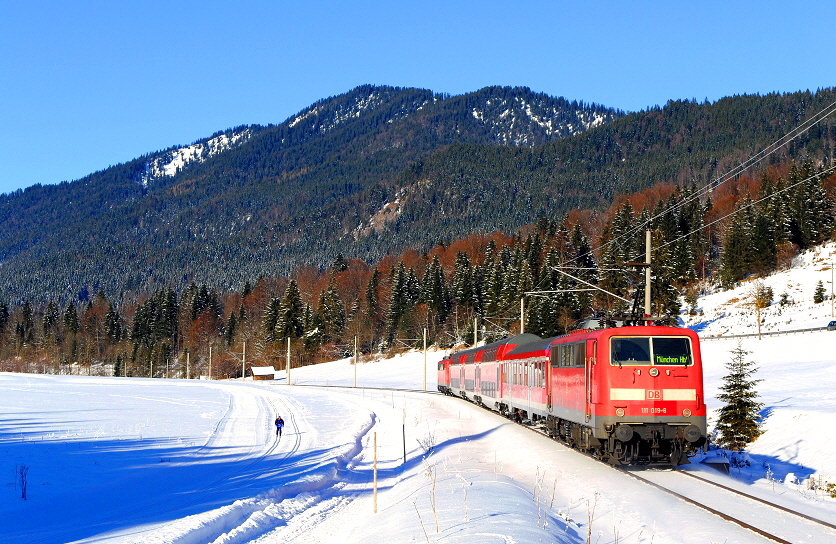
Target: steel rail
point(758, 499)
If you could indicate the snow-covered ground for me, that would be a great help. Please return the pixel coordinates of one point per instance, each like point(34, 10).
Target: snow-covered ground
point(136, 460)
point(732, 312)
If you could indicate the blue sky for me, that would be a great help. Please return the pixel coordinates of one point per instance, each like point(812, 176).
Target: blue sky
point(88, 84)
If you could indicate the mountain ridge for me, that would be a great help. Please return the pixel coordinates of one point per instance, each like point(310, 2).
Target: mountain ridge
point(273, 197)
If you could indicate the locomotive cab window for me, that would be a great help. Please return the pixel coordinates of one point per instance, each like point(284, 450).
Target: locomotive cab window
point(651, 351)
point(671, 351)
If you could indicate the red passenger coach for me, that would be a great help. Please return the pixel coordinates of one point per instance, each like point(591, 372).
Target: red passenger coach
point(631, 395)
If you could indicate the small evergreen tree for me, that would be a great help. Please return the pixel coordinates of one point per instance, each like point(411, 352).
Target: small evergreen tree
point(818, 294)
point(739, 421)
point(290, 322)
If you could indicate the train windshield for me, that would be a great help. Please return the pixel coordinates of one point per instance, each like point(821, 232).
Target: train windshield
point(657, 350)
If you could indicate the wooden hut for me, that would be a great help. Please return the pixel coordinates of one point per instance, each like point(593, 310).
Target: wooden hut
point(263, 373)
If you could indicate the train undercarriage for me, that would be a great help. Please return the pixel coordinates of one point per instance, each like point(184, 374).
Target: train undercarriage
point(643, 444)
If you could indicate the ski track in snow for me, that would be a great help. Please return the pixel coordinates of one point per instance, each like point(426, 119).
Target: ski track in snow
point(281, 507)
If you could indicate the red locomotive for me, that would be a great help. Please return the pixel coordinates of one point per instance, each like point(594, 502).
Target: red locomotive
point(629, 395)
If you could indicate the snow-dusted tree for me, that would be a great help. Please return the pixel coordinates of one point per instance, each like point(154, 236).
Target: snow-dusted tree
point(434, 292)
point(290, 315)
point(51, 318)
point(463, 281)
point(331, 311)
point(818, 294)
point(736, 261)
point(739, 421)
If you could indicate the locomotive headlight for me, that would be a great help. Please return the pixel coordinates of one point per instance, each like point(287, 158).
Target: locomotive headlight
point(654, 371)
point(686, 412)
point(619, 412)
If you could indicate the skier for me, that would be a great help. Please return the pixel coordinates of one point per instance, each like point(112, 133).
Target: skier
point(279, 425)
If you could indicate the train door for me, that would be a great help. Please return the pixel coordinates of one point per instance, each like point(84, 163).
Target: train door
point(591, 354)
point(477, 386)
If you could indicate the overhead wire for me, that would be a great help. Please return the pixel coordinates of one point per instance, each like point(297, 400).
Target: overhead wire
point(749, 205)
point(728, 176)
point(712, 185)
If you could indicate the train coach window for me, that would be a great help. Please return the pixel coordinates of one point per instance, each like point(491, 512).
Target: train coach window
point(580, 355)
point(568, 355)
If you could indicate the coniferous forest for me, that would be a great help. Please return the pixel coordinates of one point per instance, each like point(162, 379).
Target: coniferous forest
point(413, 212)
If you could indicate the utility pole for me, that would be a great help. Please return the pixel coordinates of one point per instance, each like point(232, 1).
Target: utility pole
point(210, 362)
point(831, 288)
point(475, 331)
point(244, 362)
point(287, 370)
point(425, 359)
point(187, 364)
point(375, 473)
point(355, 361)
point(522, 314)
point(647, 273)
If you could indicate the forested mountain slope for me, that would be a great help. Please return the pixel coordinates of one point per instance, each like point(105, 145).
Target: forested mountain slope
point(473, 187)
point(364, 174)
point(254, 200)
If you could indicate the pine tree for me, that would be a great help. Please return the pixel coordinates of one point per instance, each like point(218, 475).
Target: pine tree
point(71, 318)
point(665, 297)
point(290, 313)
point(809, 207)
point(271, 319)
point(434, 292)
point(26, 325)
point(374, 321)
point(340, 264)
point(113, 324)
point(229, 330)
point(737, 250)
point(818, 294)
point(50, 320)
point(739, 421)
point(331, 312)
point(462, 281)
point(398, 301)
point(4, 317)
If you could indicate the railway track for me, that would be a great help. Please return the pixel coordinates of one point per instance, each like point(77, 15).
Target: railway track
point(771, 521)
point(767, 519)
point(763, 517)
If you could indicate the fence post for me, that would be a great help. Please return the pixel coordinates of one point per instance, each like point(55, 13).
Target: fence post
point(375, 472)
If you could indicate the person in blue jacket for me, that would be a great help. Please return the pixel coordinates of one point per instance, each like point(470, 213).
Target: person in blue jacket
point(279, 425)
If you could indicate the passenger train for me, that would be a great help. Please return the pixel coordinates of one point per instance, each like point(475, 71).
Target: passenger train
point(628, 395)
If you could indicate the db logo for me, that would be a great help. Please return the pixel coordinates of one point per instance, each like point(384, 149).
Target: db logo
point(654, 394)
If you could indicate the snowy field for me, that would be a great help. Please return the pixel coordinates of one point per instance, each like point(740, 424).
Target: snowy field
point(175, 461)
